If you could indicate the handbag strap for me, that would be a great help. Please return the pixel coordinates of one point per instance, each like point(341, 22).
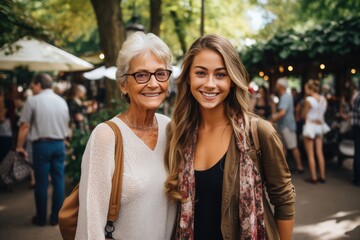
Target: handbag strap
point(114, 205)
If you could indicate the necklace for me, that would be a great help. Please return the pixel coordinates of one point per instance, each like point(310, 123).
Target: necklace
point(153, 125)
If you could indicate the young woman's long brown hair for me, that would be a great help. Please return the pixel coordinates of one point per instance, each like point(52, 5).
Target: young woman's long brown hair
point(187, 116)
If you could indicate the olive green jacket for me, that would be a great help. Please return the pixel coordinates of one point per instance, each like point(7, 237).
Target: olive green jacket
point(276, 176)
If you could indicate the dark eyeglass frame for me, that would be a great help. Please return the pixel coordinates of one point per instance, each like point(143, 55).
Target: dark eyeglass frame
point(151, 73)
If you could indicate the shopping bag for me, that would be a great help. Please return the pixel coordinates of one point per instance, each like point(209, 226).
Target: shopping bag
point(14, 168)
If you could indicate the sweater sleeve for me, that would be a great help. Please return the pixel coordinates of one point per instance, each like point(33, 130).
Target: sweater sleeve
point(97, 168)
point(276, 172)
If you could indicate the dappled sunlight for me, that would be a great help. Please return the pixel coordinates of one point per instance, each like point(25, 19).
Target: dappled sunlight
point(342, 214)
point(334, 227)
point(304, 202)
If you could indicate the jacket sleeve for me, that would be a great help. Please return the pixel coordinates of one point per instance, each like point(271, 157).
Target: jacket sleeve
point(97, 168)
point(276, 174)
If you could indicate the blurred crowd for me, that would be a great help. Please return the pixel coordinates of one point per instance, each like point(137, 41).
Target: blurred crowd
point(320, 120)
point(80, 103)
point(265, 102)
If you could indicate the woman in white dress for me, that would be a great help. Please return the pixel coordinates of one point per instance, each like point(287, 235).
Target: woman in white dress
point(314, 129)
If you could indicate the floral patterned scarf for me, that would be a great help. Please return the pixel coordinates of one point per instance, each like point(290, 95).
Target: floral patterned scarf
point(251, 210)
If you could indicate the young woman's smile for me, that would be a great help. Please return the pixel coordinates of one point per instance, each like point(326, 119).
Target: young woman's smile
point(209, 81)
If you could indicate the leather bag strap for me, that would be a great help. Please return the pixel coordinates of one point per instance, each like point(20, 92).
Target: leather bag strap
point(114, 205)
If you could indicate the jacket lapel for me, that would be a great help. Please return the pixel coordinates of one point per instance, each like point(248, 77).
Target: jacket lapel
point(230, 175)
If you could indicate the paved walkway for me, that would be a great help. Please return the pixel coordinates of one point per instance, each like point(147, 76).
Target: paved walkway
point(328, 211)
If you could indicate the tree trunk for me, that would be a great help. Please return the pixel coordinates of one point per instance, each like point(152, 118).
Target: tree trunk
point(155, 16)
point(112, 34)
point(179, 29)
point(202, 20)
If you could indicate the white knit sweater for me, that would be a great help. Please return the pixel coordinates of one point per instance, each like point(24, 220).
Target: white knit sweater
point(145, 212)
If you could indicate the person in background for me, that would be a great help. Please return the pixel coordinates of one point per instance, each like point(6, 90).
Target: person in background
point(101, 93)
point(314, 129)
point(345, 105)
point(79, 109)
point(285, 119)
point(211, 173)
point(19, 104)
point(45, 116)
point(355, 122)
point(298, 106)
point(7, 118)
point(143, 72)
point(261, 103)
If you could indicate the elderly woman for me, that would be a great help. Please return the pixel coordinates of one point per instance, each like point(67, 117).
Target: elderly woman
point(146, 212)
point(79, 109)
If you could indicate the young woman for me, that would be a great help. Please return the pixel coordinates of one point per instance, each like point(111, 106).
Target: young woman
point(315, 127)
point(211, 173)
point(143, 71)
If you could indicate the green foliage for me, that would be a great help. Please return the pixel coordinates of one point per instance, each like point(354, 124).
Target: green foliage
point(85, 43)
point(79, 140)
point(302, 15)
point(65, 23)
point(72, 24)
point(329, 9)
point(330, 40)
point(74, 155)
point(15, 23)
point(181, 22)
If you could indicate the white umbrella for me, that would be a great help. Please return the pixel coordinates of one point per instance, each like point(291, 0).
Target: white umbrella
point(40, 56)
point(175, 71)
point(100, 73)
point(95, 74)
point(110, 73)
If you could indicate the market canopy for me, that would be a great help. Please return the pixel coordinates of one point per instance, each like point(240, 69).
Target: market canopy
point(38, 55)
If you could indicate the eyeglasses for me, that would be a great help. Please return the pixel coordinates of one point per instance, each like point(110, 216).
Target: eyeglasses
point(144, 76)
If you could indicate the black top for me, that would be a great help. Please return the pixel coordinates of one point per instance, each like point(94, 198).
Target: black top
point(263, 111)
point(208, 185)
point(75, 108)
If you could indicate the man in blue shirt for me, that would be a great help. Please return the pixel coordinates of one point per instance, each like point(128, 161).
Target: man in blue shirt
point(286, 122)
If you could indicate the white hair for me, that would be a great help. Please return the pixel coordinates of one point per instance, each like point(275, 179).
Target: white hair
point(81, 88)
point(141, 43)
point(282, 82)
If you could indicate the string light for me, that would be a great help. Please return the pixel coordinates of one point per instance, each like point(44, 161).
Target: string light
point(101, 56)
point(353, 71)
point(281, 69)
point(266, 77)
point(290, 68)
point(322, 66)
point(261, 74)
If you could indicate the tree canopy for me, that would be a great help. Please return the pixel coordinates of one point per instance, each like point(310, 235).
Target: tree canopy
point(72, 25)
point(302, 28)
point(16, 23)
point(301, 15)
point(330, 40)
